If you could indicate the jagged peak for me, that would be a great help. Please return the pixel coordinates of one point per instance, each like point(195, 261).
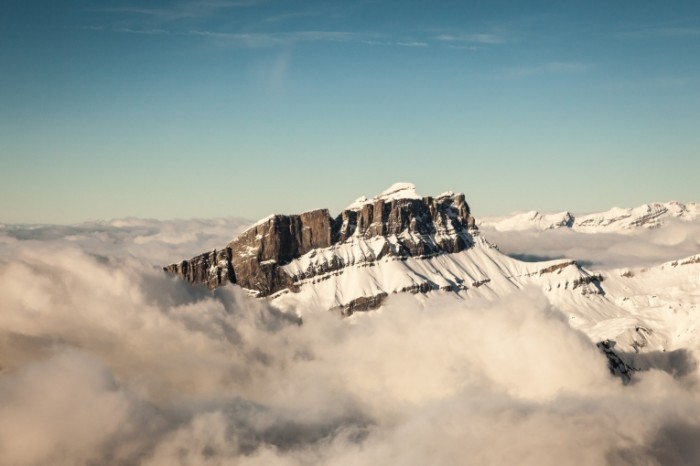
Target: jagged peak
point(397, 191)
point(394, 192)
point(616, 219)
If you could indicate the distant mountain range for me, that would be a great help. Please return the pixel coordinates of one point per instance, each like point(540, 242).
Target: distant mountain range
point(615, 220)
point(401, 242)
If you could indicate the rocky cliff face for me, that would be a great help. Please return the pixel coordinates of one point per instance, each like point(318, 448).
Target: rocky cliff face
point(212, 268)
point(413, 226)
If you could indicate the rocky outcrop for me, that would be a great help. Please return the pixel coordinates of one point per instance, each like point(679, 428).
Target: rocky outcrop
point(364, 303)
point(212, 268)
point(414, 226)
point(618, 367)
point(557, 267)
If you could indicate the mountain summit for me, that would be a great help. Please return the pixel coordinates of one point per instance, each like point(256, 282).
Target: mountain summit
point(398, 223)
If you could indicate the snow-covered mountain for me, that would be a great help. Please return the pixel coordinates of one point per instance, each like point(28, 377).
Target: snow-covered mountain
point(401, 242)
point(478, 271)
point(395, 242)
point(395, 224)
point(653, 309)
point(615, 220)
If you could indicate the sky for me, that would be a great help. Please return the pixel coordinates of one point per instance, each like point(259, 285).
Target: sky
point(217, 108)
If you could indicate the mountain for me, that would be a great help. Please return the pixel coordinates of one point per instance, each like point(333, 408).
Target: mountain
point(615, 220)
point(395, 242)
point(645, 309)
point(400, 242)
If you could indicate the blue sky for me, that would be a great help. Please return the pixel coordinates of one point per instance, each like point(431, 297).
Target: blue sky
point(244, 108)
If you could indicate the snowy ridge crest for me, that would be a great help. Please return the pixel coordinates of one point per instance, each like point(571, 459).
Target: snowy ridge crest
point(617, 219)
point(394, 192)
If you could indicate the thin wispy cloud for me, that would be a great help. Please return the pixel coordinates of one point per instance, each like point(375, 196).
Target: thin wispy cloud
point(563, 67)
point(654, 82)
point(463, 47)
point(185, 10)
point(375, 42)
point(487, 38)
point(660, 32)
point(270, 39)
point(259, 31)
point(412, 44)
point(150, 32)
point(291, 16)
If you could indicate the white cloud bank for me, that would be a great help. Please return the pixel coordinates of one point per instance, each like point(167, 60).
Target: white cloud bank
point(648, 247)
point(107, 361)
point(158, 241)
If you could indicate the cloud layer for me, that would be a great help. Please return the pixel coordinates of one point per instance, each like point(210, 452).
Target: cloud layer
point(158, 241)
point(650, 247)
point(106, 360)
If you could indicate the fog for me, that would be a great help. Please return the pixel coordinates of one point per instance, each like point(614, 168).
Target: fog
point(160, 241)
point(106, 360)
point(646, 248)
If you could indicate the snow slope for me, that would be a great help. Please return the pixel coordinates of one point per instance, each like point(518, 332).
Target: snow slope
point(480, 271)
point(644, 309)
point(647, 309)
